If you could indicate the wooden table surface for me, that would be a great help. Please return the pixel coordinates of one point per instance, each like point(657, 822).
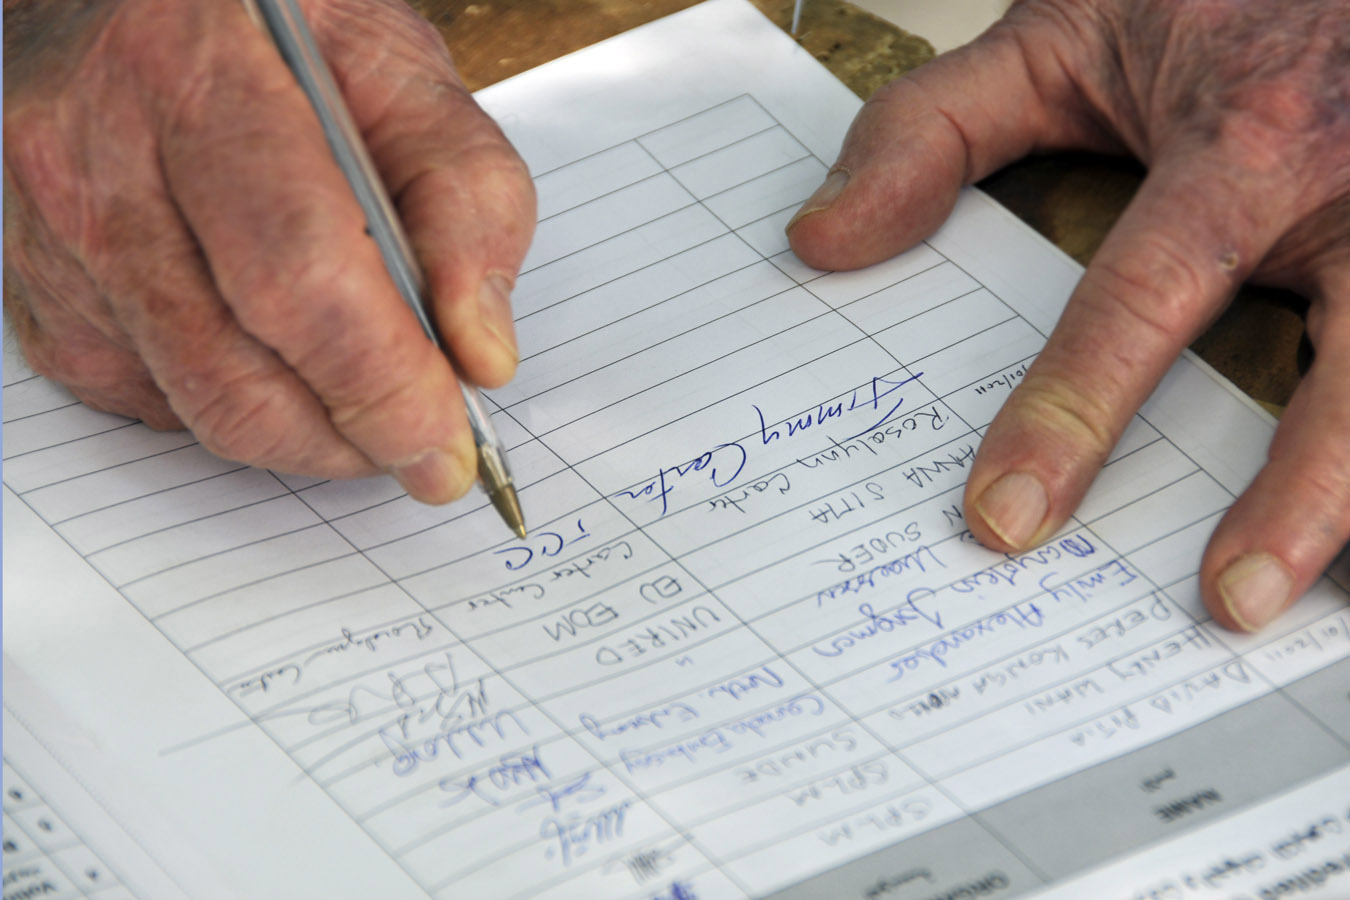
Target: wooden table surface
point(1071, 199)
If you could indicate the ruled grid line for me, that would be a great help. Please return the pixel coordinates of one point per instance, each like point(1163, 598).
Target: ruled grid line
point(60, 758)
point(749, 573)
point(96, 876)
point(263, 713)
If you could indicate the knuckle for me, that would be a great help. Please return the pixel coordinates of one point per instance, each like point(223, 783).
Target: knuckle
point(1262, 137)
point(1065, 413)
point(79, 358)
point(296, 289)
point(359, 366)
point(489, 167)
point(1322, 496)
point(1328, 485)
point(1281, 125)
point(1317, 466)
point(423, 34)
point(315, 311)
point(90, 364)
point(100, 375)
point(487, 175)
point(448, 143)
point(502, 183)
point(509, 178)
point(226, 414)
point(384, 389)
point(1156, 285)
point(135, 398)
point(258, 418)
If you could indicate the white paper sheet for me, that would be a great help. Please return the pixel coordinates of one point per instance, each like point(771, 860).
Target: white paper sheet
point(46, 852)
point(748, 647)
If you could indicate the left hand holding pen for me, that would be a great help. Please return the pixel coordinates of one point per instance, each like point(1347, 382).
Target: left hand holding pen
point(1241, 110)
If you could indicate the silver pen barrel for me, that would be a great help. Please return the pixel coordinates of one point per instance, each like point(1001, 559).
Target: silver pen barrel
point(284, 22)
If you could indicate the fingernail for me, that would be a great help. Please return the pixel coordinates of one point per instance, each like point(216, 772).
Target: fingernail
point(823, 197)
point(1255, 589)
point(494, 310)
point(435, 476)
point(1014, 507)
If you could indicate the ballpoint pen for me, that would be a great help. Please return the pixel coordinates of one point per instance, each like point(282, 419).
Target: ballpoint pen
point(284, 22)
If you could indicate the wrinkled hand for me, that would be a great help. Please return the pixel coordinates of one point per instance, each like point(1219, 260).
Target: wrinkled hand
point(1241, 110)
point(180, 246)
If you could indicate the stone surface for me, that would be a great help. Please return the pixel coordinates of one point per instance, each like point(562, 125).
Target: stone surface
point(495, 39)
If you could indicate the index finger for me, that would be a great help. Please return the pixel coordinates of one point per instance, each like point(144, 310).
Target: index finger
point(948, 123)
point(463, 192)
point(1166, 269)
point(293, 262)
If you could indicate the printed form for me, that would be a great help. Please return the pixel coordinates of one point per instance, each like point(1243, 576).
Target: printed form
point(43, 856)
point(749, 648)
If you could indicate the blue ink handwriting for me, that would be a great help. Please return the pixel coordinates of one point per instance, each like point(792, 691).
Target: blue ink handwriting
point(919, 560)
point(1021, 615)
point(546, 544)
point(510, 771)
point(882, 623)
point(654, 718)
point(575, 834)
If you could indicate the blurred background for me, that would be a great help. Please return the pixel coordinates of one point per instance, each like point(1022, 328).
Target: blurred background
point(945, 23)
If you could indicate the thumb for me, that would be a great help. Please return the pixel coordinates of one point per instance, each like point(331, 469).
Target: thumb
point(463, 193)
point(923, 136)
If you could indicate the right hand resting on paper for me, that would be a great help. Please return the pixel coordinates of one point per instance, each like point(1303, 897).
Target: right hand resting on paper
point(180, 246)
point(1242, 112)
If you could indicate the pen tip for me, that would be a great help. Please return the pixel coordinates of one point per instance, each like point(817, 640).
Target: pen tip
point(508, 506)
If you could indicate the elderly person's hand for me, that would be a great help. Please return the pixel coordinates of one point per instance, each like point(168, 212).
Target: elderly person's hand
point(181, 247)
point(1241, 110)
